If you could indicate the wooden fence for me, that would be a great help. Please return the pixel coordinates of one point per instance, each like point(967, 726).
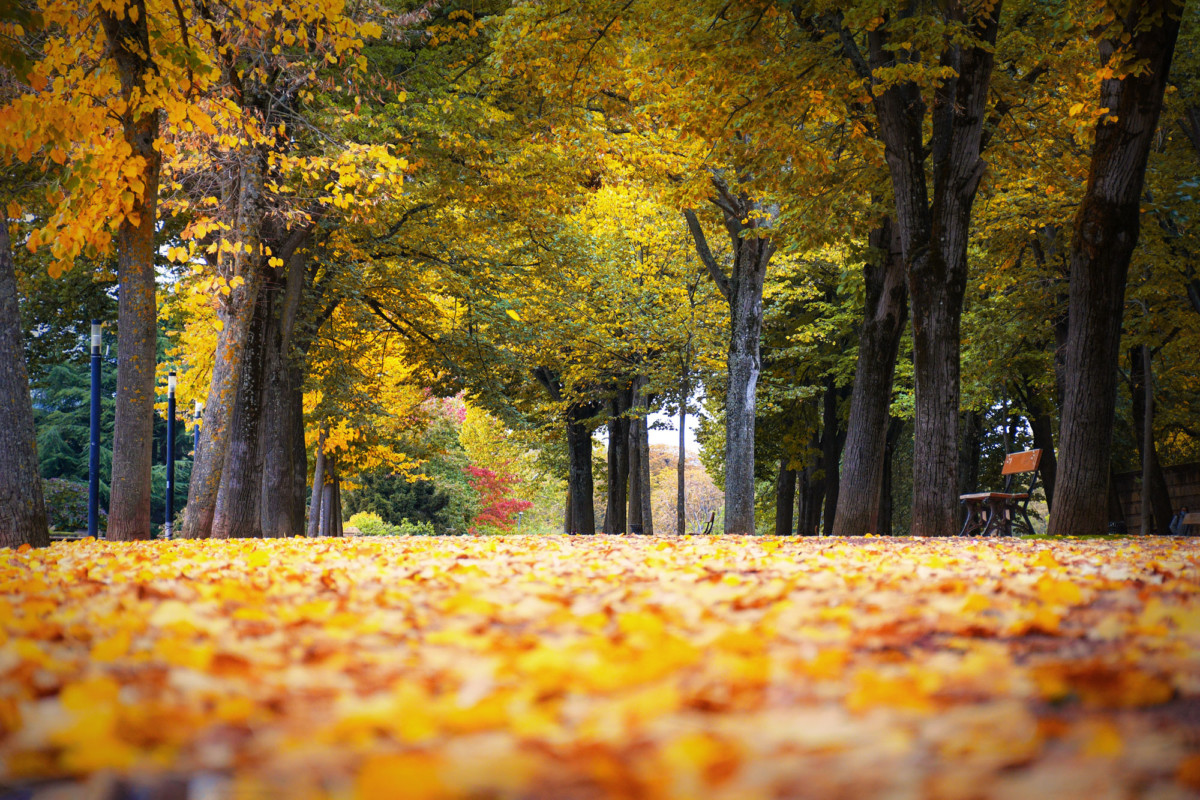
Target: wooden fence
point(1183, 485)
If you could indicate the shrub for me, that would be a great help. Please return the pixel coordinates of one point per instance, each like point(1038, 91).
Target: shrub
point(369, 524)
point(66, 504)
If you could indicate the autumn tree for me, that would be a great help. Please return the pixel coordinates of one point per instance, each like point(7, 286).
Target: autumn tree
point(1136, 46)
point(22, 511)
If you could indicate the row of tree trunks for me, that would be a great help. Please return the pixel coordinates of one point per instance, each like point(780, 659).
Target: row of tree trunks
point(933, 227)
point(1107, 226)
point(22, 510)
point(885, 313)
point(236, 312)
point(260, 475)
point(127, 35)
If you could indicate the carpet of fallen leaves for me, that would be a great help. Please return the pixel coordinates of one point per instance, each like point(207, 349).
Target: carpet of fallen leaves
point(565, 667)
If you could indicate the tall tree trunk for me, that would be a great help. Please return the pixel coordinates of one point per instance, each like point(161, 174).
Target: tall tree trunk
point(886, 504)
point(884, 315)
point(128, 40)
point(641, 431)
point(568, 510)
point(236, 313)
point(238, 511)
point(618, 463)
point(337, 527)
point(1106, 232)
point(1155, 498)
point(22, 510)
point(1116, 514)
point(969, 452)
point(318, 486)
point(745, 220)
point(934, 232)
point(635, 477)
point(328, 508)
point(681, 466)
point(284, 474)
point(811, 494)
point(832, 440)
point(579, 450)
point(744, 365)
point(785, 498)
point(1042, 426)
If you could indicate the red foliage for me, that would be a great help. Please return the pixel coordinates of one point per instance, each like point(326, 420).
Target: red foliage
point(497, 510)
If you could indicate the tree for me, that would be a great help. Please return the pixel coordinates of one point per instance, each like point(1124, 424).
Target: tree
point(22, 510)
point(1136, 48)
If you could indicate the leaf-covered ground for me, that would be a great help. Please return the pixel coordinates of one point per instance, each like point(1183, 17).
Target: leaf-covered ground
point(564, 667)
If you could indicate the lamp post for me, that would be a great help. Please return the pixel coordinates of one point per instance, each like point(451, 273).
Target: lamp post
point(170, 504)
point(196, 431)
point(94, 444)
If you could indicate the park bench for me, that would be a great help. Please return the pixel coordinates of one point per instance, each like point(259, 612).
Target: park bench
point(991, 513)
point(1191, 523)
point(708, 526)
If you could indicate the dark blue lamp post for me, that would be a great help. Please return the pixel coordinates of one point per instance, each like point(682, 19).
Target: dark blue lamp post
point(170, 504)
point(94, 445)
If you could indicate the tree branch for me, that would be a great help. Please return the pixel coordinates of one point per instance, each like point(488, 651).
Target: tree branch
point(706, 256)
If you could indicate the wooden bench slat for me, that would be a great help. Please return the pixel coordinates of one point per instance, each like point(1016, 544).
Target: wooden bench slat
point(1017, 463)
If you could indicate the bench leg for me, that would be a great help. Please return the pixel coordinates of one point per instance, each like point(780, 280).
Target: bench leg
point(974, 519)
point(995, 521)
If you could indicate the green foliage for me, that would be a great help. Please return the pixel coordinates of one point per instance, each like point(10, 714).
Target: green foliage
point(67, 505)
point(369, 524)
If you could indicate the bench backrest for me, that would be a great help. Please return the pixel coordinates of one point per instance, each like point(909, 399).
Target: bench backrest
point(1016, 463)
point(1192, 518)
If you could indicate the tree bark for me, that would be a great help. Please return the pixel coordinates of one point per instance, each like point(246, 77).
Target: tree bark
point(22, 510)
point(579, 450)
point(238, 510)
point(785, 498)
point(832, 440)
point(934, 234)
point(969, 452)
point(337, 527)
point(137, 314)
point(1156, 501)
point(745, 220)
point(236, 313)
point(886, 503)
point(635, 476)
point(681, 466)
point(884, 315)
point(284, 473)
point(615, 518)
point(568, 511)
point(318, 486)
point(327, 505)
point(641, 431)
point(811, 494)
point(1043, 439)
point(1106, 232)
